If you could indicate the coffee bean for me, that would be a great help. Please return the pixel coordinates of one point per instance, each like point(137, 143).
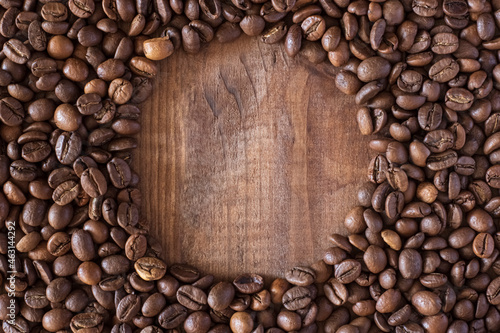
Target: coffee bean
point(313, 27)
point(410, 264)
point(56, 319)
point(426, 302)
point(483, 245)
point(336, 292)
point(58, 289)
point(143, 67)
point(289, 321)
point(459, 99)
point(347, 271)
point(150, 268)
point(191, 297)
point(220, 296)
point(93, 182)
point(68, 147)
point(296, 298)
point(197, 322)
point(301, 276)
point(36, 298)
point(248, 283)
point(87, 321)
point(128, 307)
point(373, 69)
point(16, 51)
point(388, 301)
point(241, 322)
point(82, 245)
point(11, 111)
point(375, 259)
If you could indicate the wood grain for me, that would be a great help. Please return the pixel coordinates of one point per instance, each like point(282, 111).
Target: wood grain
point(248, 159)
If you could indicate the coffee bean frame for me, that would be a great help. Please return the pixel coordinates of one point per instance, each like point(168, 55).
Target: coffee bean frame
point(421, 254)
point(254, 188)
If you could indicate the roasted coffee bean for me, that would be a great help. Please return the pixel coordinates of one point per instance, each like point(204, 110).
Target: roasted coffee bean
point(297, 298)
point(347, 271)
point(483, 245)
point(56, 319)
point(301, 276)
point(87, 321)
point(373, 69)
point(444, 43)
point(36, 298)
point(93, 182)
point(459, 99)
point(11, 111)
point(427, 303)
point(136, 247)
point(16, 51)
point(150, 268)
point(68, 147)
point(172, 316)
point(191, 297)
point(82, 245)
point(128, 307)
point(249, 283)
point(336, 292)
point(410, 264)
point(444, 70)
point(221, 296)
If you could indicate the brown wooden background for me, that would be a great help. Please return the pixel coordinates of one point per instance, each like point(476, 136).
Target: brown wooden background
point(248, 159)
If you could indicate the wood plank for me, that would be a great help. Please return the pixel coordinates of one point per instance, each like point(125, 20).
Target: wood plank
point(248, 159)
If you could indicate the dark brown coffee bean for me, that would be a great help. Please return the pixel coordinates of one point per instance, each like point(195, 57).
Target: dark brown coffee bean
point(115, 264)
point(119, 173)
point(483, 245)
point(93, 182)
point(442, 161)
point(56, 319)
point(128, 307)
point(347, 271)
point(36, 298)
point(300, 276)
point(249, 283)
point(143, 67)
point(479, 220)
point(16, 51)
point(68, 147)
point(373, 69)
point(191, 297)
point(296, 298)
point(220, 296)
point(336, 292)
point(37, 36)
point(84, 322)
point(11, 111)
point(82, 245)
point(388, 301)
point(410, 264)
point(375, 259)
point(444, 43)
point(444, 70)
point(7, 26)
point(426, 302)
point(58, 289)
point(172, 316)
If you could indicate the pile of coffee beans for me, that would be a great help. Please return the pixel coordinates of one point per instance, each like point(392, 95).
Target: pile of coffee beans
point(422, 251)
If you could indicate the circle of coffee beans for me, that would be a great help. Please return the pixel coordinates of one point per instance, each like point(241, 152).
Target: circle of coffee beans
point(422, 251)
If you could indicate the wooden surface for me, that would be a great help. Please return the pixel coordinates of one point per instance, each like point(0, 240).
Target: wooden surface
point(248, 159)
